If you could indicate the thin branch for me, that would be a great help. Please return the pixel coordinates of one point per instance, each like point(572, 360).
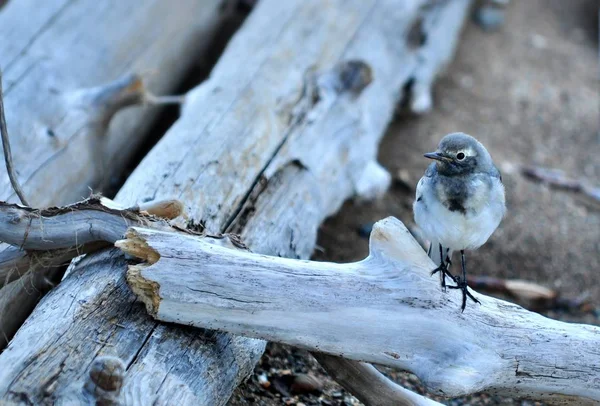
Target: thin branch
point(78, 224)
point(7, 152)
point(369, 385)
point(152, 99)
point(557, 178)
point(531, 295)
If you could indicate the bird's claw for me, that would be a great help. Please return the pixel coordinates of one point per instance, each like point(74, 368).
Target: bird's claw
point(443, 268)
point(462, 285)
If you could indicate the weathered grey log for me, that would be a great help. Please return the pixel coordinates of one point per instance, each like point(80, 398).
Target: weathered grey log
point(266, 116)
point(54, 56)
point(385, 309)
point(66, 47)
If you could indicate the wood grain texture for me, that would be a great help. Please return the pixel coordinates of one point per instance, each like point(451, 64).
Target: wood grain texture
point(43, 241)
point(69, 226)
point(36, 235)
point(385, 309)
point(52, 52)
point(68, 69)
point(273, 142)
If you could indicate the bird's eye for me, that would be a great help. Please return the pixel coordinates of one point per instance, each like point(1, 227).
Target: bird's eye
point(460, 156)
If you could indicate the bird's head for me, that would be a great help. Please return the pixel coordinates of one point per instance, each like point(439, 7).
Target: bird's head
point(459, 154)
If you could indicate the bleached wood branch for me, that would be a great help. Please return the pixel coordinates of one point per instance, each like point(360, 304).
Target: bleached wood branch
point(278, 137)
point(440, 29)
point(73, 231)
point(71, 226)
point(386, 309)
point(61, 234)
point(369, 385)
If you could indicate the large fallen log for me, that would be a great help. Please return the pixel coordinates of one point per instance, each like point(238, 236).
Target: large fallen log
point(385, 309)
point(87, 226)
point(268, 147)
point(58, 115)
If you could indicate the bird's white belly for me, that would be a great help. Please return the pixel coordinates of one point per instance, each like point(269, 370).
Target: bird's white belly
point(455, 230)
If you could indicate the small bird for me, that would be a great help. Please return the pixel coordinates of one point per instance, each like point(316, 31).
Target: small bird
point(459, 204)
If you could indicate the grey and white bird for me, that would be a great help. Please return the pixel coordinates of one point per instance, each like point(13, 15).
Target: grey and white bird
point(459, 203)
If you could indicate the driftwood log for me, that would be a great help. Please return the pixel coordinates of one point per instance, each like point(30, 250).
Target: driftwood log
point(279, 136)
point(58, 115)
point(87, 226)
point(207, 284)
point(385, 309)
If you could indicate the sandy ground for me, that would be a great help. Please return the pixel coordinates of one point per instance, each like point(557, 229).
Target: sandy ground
point(529, 92)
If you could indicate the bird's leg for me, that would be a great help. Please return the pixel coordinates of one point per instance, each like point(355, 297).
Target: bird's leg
point(461, 283)
point(448, 260)
point(443, 268)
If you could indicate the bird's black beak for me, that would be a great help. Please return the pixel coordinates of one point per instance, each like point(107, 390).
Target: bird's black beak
point(437, 156)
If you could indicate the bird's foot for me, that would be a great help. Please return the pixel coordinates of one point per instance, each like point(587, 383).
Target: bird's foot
point(462, 285)
point(443, 269)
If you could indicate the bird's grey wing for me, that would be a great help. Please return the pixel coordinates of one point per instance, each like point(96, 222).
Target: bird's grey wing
point(431, 170)
point(424, 188)
point(495, 173)
point(427, 179)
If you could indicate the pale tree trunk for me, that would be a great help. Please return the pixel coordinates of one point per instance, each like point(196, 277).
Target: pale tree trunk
point(61, 63)
point(284, 131)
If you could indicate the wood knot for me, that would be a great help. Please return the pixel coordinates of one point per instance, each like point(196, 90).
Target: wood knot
point(106, 375)
point(14, 216)
point(355, 76)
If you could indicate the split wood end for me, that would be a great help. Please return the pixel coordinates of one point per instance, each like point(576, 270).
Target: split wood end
point(136, 246)
point(146, 290)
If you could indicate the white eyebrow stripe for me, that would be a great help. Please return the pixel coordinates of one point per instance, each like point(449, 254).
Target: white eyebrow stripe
point(468, 151)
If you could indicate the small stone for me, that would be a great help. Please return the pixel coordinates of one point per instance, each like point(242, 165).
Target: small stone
point(107, 373)
point(264, 381)
point(337, 395)
point(304, 383)
point(489, 18)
